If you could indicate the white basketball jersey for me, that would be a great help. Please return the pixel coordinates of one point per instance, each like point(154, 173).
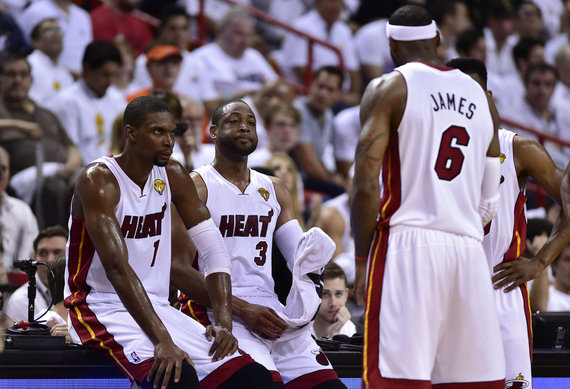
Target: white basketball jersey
point(144, 218)
point(247, 222)
point(505, 235)
point(433, 168)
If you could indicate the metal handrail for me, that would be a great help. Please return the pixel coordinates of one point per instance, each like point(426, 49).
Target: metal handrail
point(541, 135)
point(270, 19)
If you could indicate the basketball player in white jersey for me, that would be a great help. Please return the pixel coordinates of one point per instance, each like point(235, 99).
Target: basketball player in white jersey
point(119, 265)
point(429, 317)
point(253, 211)
point(505, 236)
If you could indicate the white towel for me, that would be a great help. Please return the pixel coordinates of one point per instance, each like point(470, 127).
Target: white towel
point(314, 251)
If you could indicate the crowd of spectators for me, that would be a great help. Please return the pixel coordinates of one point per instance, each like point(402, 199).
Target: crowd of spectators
point(68, 69)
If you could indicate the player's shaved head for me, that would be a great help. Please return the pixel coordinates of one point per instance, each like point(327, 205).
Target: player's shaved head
point(410, 15)
point(471, 66)
point(136, 111)
point(220, 110)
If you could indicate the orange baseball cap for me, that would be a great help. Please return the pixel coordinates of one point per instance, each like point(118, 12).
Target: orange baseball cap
point(162, 51)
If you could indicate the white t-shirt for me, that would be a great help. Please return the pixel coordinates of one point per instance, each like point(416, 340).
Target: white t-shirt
point(88, 119)
point(48, 77)
point(557, 300)
point(19, 229)
point(228, 75)
point(17, 305)
point(347, 329)
point(372, 45)
point(192, 80)
point(76, 27)
point(500, 61)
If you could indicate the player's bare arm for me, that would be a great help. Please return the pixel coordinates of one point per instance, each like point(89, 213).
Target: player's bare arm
point(565, 192)
point(532, 160)
point(96, 195)
point(381, 111)
point(193, 211)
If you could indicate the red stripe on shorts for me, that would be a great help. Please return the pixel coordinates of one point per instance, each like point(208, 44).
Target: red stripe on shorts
point(518, 242)
point(313, 379)
point(528, 317)
point(390, 202)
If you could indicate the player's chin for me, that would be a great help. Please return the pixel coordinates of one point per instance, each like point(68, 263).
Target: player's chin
point(161, 161)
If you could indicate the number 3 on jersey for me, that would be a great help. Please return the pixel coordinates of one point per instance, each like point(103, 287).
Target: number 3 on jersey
point(450, 158)
point(262, 247)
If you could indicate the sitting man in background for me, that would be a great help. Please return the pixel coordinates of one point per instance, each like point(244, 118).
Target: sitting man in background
point(48, 244)
point(18, 224)
point(333, 317)
point(32, 135)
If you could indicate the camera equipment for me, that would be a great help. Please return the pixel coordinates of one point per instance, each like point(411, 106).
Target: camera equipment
point(29, 266)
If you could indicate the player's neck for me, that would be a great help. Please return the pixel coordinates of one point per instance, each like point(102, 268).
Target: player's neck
point(135, 169)
point(235, 172)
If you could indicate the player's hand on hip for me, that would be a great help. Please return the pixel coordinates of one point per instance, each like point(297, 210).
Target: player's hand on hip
point(224, 342)
point(515, 273)
point(359, 285)
point(167, 357)
point(263, 321)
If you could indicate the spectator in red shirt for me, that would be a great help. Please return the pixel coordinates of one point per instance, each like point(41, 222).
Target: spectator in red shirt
point(118, 19)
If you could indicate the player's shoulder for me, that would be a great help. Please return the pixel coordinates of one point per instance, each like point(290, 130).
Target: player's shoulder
point(200, 185)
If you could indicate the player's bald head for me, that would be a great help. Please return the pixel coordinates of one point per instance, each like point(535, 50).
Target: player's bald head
point(223, 108)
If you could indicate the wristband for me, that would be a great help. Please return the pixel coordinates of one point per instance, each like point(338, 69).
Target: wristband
point(359, 258)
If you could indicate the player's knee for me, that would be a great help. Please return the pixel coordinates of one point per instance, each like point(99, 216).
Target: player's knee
point(188, 379)
point(251, 376)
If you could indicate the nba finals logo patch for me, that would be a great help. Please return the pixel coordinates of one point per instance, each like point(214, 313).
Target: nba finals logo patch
point(502, 157)
point(135, 357)
point(517, 383)
point(264, 193)
point(159, 186)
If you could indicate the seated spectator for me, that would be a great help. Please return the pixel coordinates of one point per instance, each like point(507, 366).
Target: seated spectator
point(471, 43)
point(284, 168)
point(526, 52)
point(323, 22)
point(11, 37)
point(499, 39)
point(18, 224)
point(30, 134)
point(234, 69)
point(282, 10)
point(333, 317)
point(555, 43)
point(124, 78)
point(528, 21)
point(557, 294)
point(282, 127)
point(192, 80)
point(56, 318)
point(48, 244)
point(452, 18)
point(373, 50)
point(163, 65)
point(562, 90)
point(195, 152)
point(74, 22)
point(48, 75)
point(118, 19)
point(537, 232)
point(316, 131)
point(88, 108)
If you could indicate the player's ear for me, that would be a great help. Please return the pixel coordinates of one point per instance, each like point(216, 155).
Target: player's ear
point(130, 133)
point(213, 132)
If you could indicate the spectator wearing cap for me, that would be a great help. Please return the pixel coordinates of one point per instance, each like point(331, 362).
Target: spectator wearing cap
point(88, 108)
point(163, 65)
point(48, 75)
point(175, 29)
point(117, 19)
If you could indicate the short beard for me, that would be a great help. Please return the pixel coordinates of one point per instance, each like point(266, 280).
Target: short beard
point(156, 162)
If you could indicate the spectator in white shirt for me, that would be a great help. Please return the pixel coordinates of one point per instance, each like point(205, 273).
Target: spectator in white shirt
point(323, 22)
point(500, 39)
point(234, 69)
point(48, 75)
point(88, 108)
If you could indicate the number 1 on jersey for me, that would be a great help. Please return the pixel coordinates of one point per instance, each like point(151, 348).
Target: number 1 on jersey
point(155, 251)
